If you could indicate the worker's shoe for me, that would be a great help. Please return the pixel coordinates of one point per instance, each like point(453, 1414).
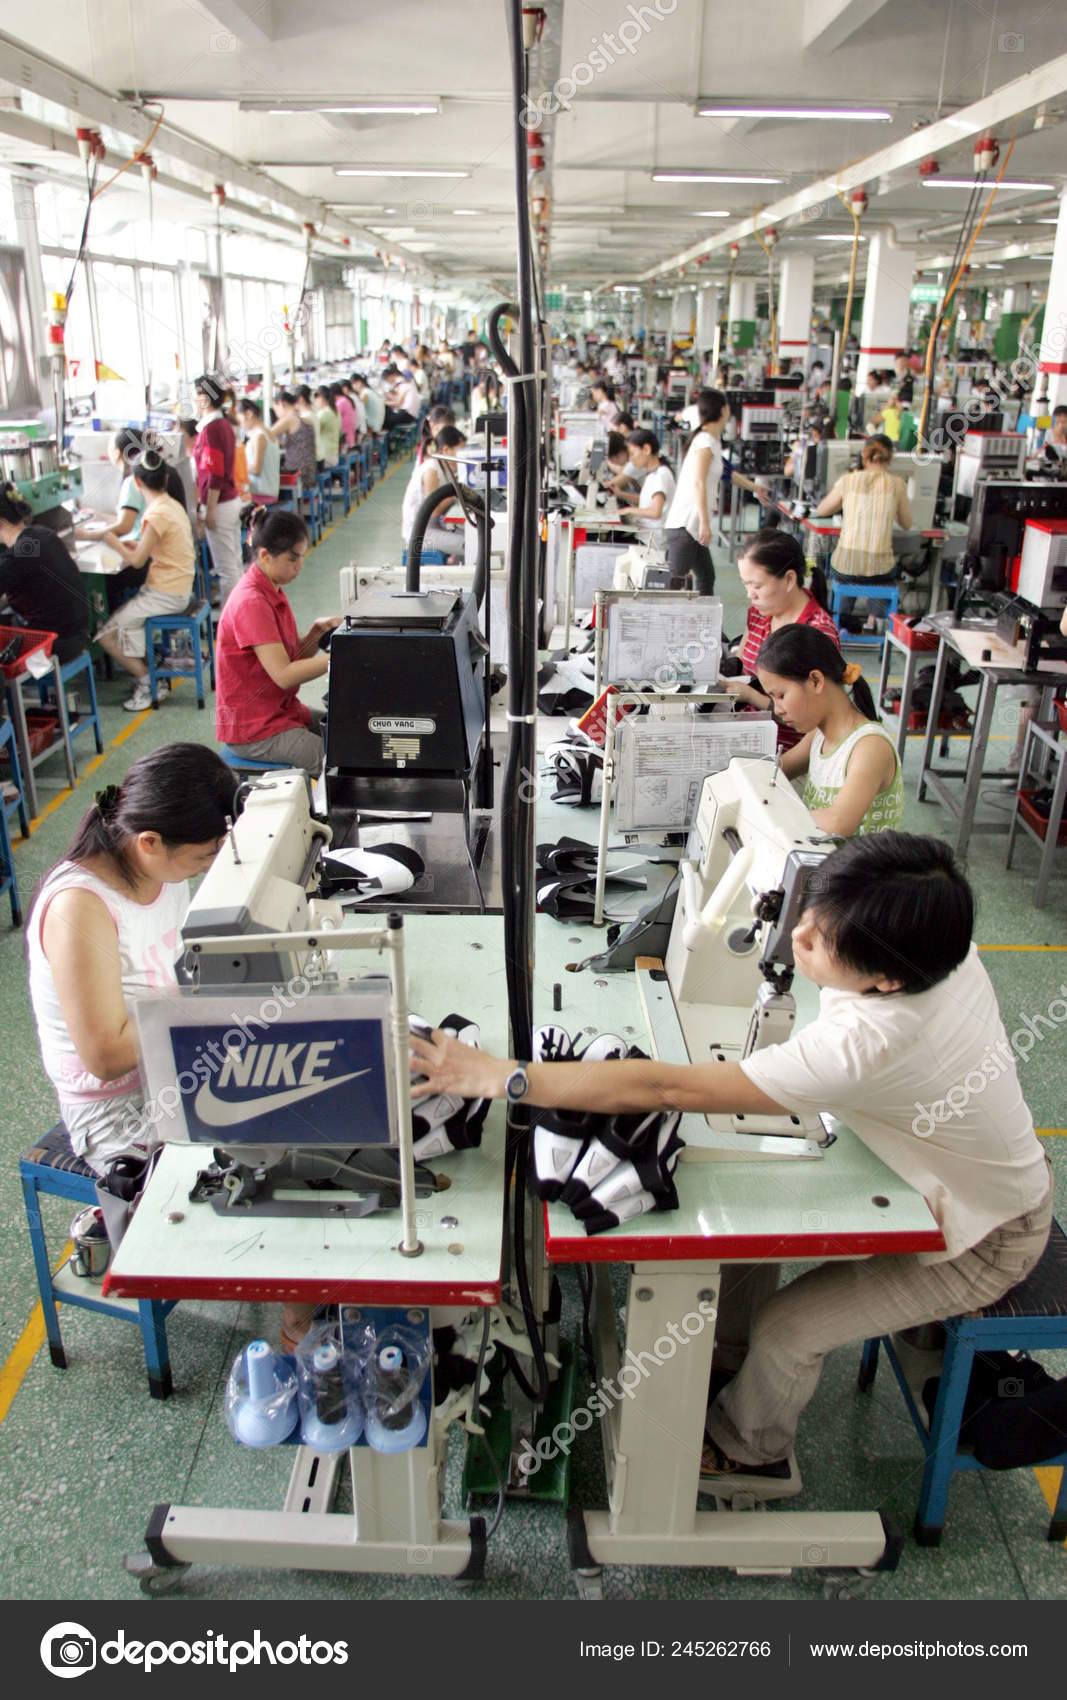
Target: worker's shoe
point(725, 1476)
point(141, 698)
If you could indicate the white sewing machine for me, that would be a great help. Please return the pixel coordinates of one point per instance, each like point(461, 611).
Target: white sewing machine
point(754, 854)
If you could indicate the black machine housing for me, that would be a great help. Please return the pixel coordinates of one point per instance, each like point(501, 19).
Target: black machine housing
point(999, 512)
point(406, 713)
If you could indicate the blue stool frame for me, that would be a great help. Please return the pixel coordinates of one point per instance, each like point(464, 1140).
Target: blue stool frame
point(52, 1167)
point(1031, 1316)
point(246, 764)
point(342, 471)
point(63, 672)
point(857, 587)
point(197, 622)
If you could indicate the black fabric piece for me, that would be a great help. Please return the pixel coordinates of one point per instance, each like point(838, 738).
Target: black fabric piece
point(1014, 1414)
point(43, 585)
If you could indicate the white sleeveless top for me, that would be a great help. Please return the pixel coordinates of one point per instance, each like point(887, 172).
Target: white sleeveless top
point(102, 1116)
point(414, 496)
point(826, 776)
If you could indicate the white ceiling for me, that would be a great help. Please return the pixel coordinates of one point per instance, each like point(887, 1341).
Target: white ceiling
point(923, 59)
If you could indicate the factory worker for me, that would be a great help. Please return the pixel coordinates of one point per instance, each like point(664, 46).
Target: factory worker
point(696, 498)
point(105, 927)
point(772, 569)
point(907, 1016)
point(647, 510)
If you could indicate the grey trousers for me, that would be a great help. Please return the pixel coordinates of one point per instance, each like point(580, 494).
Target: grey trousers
point(754, 1419)
point(300, 746)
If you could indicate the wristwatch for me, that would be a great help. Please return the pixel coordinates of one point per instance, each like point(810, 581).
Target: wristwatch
point(517, 1084)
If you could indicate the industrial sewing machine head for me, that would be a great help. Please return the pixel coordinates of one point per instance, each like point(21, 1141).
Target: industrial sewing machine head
point(294, 1070)
point(754, 863)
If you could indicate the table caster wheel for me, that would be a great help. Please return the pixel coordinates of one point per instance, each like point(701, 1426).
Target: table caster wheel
point(153, 1578)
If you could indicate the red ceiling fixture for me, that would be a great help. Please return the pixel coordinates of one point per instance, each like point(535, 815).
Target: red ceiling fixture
point(859, 201)
point(928, 168)
point(986, 153)
point(218, 195)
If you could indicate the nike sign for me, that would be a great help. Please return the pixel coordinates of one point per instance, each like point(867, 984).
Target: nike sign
point(216, 1112)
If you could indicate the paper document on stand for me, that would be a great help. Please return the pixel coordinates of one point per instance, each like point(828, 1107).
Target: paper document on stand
point(662, 764)
point(680, 642)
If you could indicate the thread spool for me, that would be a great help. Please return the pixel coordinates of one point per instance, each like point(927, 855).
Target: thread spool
point(332, 1418)
point(268, 1414)
point(396, 1420)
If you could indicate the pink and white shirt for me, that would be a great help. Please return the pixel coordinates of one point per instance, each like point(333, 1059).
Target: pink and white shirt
point(102, 1116)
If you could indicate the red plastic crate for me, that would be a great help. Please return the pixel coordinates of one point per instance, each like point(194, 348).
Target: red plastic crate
point(30, 641)
point(917, 718)
point(1038, 821)
point(1061, 715)
point(910, 636)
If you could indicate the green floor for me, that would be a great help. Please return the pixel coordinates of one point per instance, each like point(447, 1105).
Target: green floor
point(84, 1454)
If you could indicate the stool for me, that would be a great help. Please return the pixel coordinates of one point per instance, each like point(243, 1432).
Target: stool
point(1031, 1316)
point(343, 472)
point(1048, 833)
point(195, 624)
point(62, 674)
point(17, 804)
point(841, 588)
point(8, 882)
point(246, 764)
point(313, 497)
point(51, 1166)
point(325, 484)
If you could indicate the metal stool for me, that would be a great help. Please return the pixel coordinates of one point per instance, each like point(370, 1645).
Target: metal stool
point(1031, 1316)
point(325, 483)
point(195, 623)
point(841, 588)
point(343, 472)
point(1048, 833)
point(246, 764)
point(8, 882)
point(51, 1166)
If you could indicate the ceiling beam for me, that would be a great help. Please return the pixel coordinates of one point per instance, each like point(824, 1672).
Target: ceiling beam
point(828, 24)
point(1006, 103)
point(248, 21)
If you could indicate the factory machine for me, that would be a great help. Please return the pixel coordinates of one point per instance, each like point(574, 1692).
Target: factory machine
point(753, 855)
point(985, 454)
point(1013, 572)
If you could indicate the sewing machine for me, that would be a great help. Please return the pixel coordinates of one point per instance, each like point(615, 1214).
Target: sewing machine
point(754, 854)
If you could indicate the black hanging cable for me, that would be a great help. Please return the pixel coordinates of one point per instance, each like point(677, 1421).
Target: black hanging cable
point(939, 312)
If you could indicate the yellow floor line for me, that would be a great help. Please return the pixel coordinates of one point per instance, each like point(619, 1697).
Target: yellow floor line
point(61, 796)
point(1050, 1132)
point(1022, 947)
point(1048, 1480)
point(26, 1347)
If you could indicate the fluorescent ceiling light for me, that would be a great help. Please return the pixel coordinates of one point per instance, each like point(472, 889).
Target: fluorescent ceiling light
point(392, 171)
point(709, 177)
point(936, 182)
point(857, 114)
point(843, 237)
point(711, 215)
point(407, 111)
point(465, 212)
point(1044, 221)
point(993, 266)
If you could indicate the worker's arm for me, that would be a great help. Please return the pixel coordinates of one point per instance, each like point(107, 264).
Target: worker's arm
point(280, 428)
point(652, 511)
point(309, 643)
point(832, 502)
point(254, 453)
point(904, 518)
point(81, 943)
point(871, 769)
point(700, 473)
point(606, 1088)
point(289, 675)
point(794, 762)
point(135, 554)
point(124, 521)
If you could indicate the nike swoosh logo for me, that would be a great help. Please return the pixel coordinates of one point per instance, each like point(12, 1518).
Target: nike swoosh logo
point(214, 1112)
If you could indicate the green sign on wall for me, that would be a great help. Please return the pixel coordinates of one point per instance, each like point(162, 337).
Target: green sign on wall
point(553, 300)
point(926, 292)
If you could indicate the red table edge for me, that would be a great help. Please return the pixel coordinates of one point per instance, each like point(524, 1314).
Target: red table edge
point(616, 1246)
point(393, 1292)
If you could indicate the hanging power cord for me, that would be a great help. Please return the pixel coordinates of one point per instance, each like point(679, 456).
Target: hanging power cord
point(939, 316)
point(134, 157)
point(847, 321)
point(962, 236)
point(770, 290)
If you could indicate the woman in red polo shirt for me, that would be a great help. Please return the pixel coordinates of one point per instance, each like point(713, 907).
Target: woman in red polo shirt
point(261, 661)
point(772, 567)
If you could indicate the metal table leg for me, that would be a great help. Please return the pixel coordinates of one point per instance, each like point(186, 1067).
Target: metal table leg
point(17, 710)
point(933, 717)
point(987, 698)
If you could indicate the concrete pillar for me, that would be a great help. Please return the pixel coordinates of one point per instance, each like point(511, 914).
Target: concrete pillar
point(1053, 364)
point(741, 317)
point(25, 210)
point(886, 304)
point(707, 317)
point(794, 306)
point(682, 309)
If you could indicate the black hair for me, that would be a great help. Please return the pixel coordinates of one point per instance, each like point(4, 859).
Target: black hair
point(276, 530)
point(190, 427)
point(607, 386)
point(129, 443)
point(327, 393)
point(625, 422)
point(210, 386)
point(778, 553)
point(616, 444)
point(439, 414)
point(450, 438)
point(710, 405)
point(287, 396)
point(877, 450)
point(895, 904)
point(182, 791)
point(246, 405)
point(642, 439)
point(795, 652)
point(13, 510)
point(902, 354)
point(303, 392)
point(151, 470)
point(1058, 412)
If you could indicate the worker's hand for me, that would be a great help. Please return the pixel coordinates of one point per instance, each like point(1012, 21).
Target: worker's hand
point(325, 623)
point(209, 522)
point(764, 497)
point(742, 690)
point(441, 1064)
point(704, 534)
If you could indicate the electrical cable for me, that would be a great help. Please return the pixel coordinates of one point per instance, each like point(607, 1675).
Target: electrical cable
point(134, 157)
point(770, 290)
point(939, 312)
point(482, 1436)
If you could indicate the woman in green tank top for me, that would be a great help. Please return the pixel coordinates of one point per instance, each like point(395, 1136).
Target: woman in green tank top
point(854, 783)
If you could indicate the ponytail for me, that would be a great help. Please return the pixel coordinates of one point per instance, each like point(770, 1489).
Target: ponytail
point(13, 510)
point(777, 553)
point(795, 652)
point(183, 792)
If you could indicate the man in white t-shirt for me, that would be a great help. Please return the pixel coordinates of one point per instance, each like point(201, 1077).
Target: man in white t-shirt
point(909, 1050)
point(401, 398)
